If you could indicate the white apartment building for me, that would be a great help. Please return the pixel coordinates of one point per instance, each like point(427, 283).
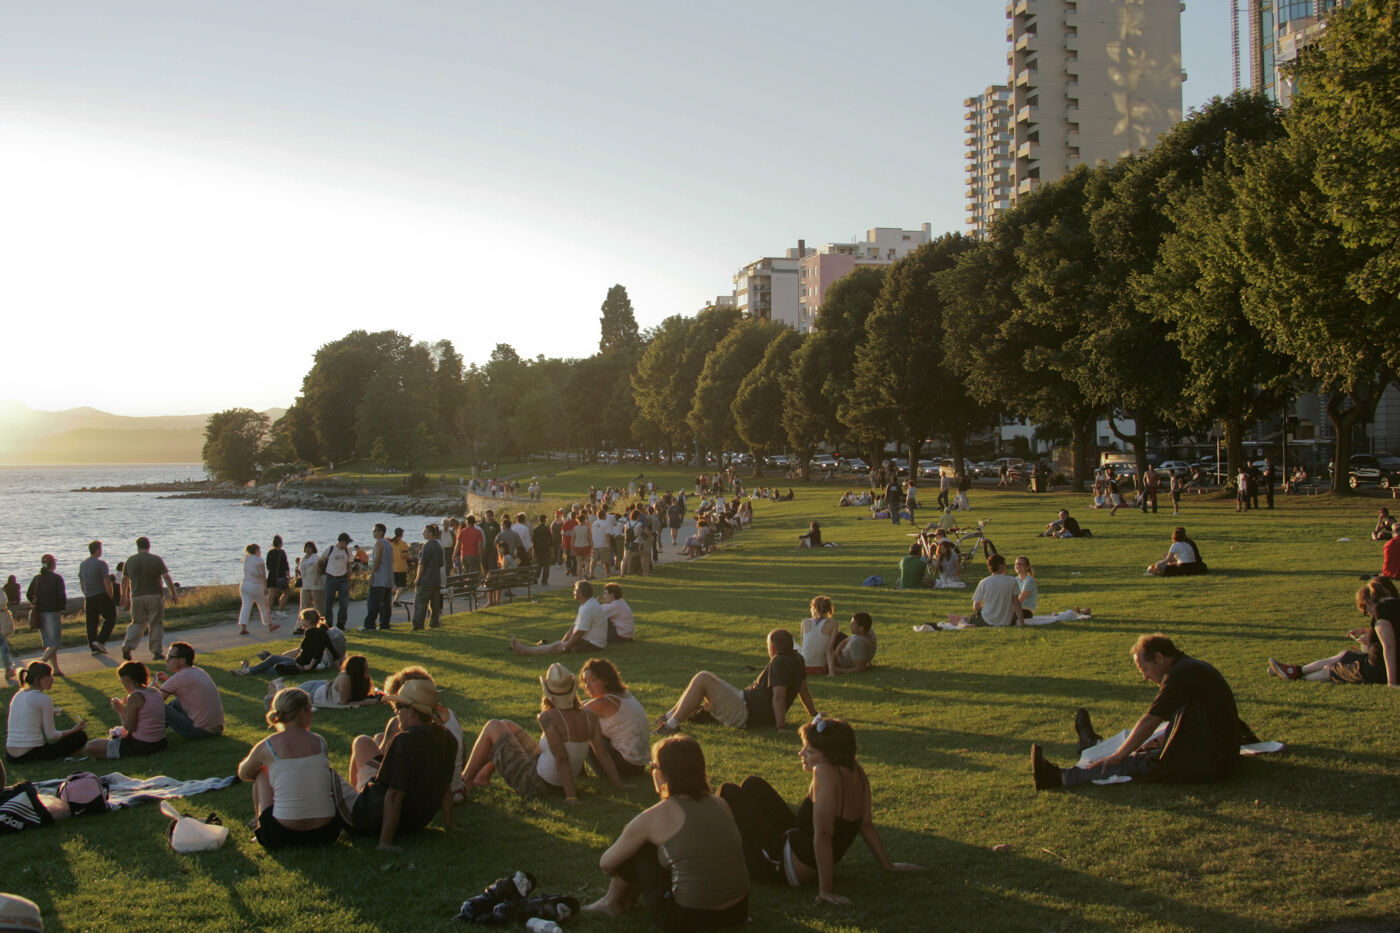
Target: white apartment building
point(989, 162)
point(820, 268)
point(768, 289)
point(1091, 81)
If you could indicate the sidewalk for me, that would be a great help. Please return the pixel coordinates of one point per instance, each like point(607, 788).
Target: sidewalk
point(221, 636)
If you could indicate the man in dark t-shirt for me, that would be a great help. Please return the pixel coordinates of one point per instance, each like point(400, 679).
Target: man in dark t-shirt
point(414, 779)
point(765, 702)
point(1201, 744)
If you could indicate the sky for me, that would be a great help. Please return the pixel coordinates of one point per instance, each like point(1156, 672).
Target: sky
point(196, 195)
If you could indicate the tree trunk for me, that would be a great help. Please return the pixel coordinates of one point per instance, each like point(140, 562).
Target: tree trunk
point(1344, 418)
point(916, 447)
point(1233, 429)
point(1138, 440)
point(1082, 440)
point(955, 446)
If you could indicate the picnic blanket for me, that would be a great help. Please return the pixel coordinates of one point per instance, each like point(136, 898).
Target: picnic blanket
point(1069, 615)
point(126, 791)
point(1111, 744)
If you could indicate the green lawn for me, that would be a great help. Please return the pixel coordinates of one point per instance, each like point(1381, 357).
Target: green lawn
point(945, 722)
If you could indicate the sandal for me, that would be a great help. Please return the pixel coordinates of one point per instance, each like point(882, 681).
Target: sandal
point(243, 630)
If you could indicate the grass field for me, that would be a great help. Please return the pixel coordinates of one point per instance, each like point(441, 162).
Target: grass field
point(1305, 839)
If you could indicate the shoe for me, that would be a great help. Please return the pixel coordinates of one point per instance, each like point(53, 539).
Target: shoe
point(703, 717)
point(126, 654)
point(556, 907)
point(366, 628)
point(243, 669)
point(479, 909)
point(1088, 738)
point(157, 657)
point(98, 648)
point(1044, 774)
point(666, 729)
point(1285, 671)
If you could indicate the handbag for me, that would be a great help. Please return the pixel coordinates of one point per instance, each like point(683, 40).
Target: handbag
point(7, 623)
point(33, 620)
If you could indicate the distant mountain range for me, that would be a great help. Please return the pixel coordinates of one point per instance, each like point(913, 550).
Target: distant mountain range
point(86, 435)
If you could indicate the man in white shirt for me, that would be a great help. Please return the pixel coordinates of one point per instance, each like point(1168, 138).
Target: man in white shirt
point(995, 596)
point(589, 632)
point(602, 545)
point(336, 580)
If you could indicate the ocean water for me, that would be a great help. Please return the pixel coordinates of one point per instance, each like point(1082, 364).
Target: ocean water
point(201, 540)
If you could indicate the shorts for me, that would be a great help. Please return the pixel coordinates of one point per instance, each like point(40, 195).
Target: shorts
point(400, 578)
point(728, 706)
point(1355, 668)
point(51, 629)
point(516, 765)
point(601, 555)
point(273, 835)
point(127, 747)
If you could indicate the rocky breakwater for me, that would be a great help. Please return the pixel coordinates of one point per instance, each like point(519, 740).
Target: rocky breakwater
point(341, 500)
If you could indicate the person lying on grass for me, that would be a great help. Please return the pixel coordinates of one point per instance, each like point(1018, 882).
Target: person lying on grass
point(852, 654)
point(142, 713)
point(783, 847)
point(683, 856)
point(1201, 745)
point(293, 784)
point(414, 778)
point(765, 702)
point(321, 645)
point(588, 633)
point(351, 687)
point(1376, 663)
point(550, 766)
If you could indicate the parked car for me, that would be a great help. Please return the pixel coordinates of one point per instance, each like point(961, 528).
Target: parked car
point(901, 466)
point(985, 468)
point(779, 461)
point(824, 462)
point(1383, 470)
point(855, 465)
point(1174, 468)
point(928, 469)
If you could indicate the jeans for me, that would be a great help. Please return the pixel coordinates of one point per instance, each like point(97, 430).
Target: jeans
point(381, 605)
point(179, 720)
point(427, 597)
point(544, 572)
point(101, 607)
point(5, 654)
point(336, 585)
point(1139, 766)
point(283, 664)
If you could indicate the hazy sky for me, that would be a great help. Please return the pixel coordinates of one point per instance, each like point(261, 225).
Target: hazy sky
point(195, 195)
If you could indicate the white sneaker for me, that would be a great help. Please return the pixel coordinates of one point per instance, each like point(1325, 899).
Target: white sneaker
point(926, 627)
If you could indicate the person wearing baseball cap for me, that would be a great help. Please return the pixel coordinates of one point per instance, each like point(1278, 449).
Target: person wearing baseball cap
point(48, 597)
point(337, 581)
point(414, 779)
point(552, 765)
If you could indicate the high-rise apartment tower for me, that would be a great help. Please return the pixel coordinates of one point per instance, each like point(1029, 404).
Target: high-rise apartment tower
point(988, 128)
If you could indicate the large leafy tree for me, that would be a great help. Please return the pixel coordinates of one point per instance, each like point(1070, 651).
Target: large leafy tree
point(711, 416)
point(233, 444)
point(758, 404)
point(1019, 308)
point(1299, 292)
point(706, 331)
point(396, 419)
point(1347, 109)
point(619, 324)
point(331, 392)
point(656, 391)
point(902, 386)
point(1146, 361)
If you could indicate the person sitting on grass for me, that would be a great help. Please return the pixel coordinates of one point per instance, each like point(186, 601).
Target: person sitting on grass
point(913, 570)
point(1390, 553)
point(414, 779)
point(1205, 730)
point(683, 856)
point(620, 716)
point(1382, 531)
point(197, 710)
point(765, 702)
point(1028, 597)
point(30, 733)
point(796, 849)
point(321, 646)
point(393, 685)
point(813, 537)
point(948, 564)
point(1183, 558)
point(1064, 526)
point(852, 654)
point(142, 712)
point(552, 765)
point(293, 784)
point(994, 600)
point(622, 625)
point(1376, 663)
point(588, 633)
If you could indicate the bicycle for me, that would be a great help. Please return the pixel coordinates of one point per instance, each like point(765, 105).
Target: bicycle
point(978, 540)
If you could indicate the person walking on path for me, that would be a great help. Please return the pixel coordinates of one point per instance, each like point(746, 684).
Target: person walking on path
point(381, 581)
point(337, 580)
point(542, 545)
point(48, 597)
point(428, 584)
point(253, 590)
point(99, 598)
point(279, 575)
point(142, 575)
point(313, 581)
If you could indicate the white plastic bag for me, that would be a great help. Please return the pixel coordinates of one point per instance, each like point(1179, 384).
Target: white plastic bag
point(191, 835)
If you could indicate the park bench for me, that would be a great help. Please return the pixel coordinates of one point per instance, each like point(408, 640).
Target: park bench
point(504, 581)
point(459, 586)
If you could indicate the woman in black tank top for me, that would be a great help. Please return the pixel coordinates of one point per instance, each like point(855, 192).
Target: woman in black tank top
point(1378, 661)
point(797, 848)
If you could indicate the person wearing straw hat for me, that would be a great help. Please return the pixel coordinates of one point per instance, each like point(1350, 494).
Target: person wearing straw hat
point(551, 765)
point(413, 781)
point(20, 914)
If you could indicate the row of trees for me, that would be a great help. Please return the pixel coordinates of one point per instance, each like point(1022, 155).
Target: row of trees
point(1249, 255)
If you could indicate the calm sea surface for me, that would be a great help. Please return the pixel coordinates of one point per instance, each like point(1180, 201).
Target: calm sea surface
point(201, 540)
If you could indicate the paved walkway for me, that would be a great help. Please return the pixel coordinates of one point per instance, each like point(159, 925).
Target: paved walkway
point(223, 635)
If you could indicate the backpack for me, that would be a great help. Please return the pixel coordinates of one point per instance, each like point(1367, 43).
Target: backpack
point(84, 792)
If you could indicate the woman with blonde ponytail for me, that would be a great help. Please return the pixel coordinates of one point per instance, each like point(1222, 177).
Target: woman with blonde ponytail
point(293, 802)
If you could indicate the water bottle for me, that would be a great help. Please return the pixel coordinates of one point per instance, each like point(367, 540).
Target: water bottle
point(541, 925)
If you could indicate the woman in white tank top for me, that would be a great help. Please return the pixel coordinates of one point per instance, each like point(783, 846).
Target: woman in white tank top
point(620, 716)
point(293, 803)
point(819, 636)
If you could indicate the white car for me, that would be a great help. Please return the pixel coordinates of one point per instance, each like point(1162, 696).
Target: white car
point(1174, 468)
